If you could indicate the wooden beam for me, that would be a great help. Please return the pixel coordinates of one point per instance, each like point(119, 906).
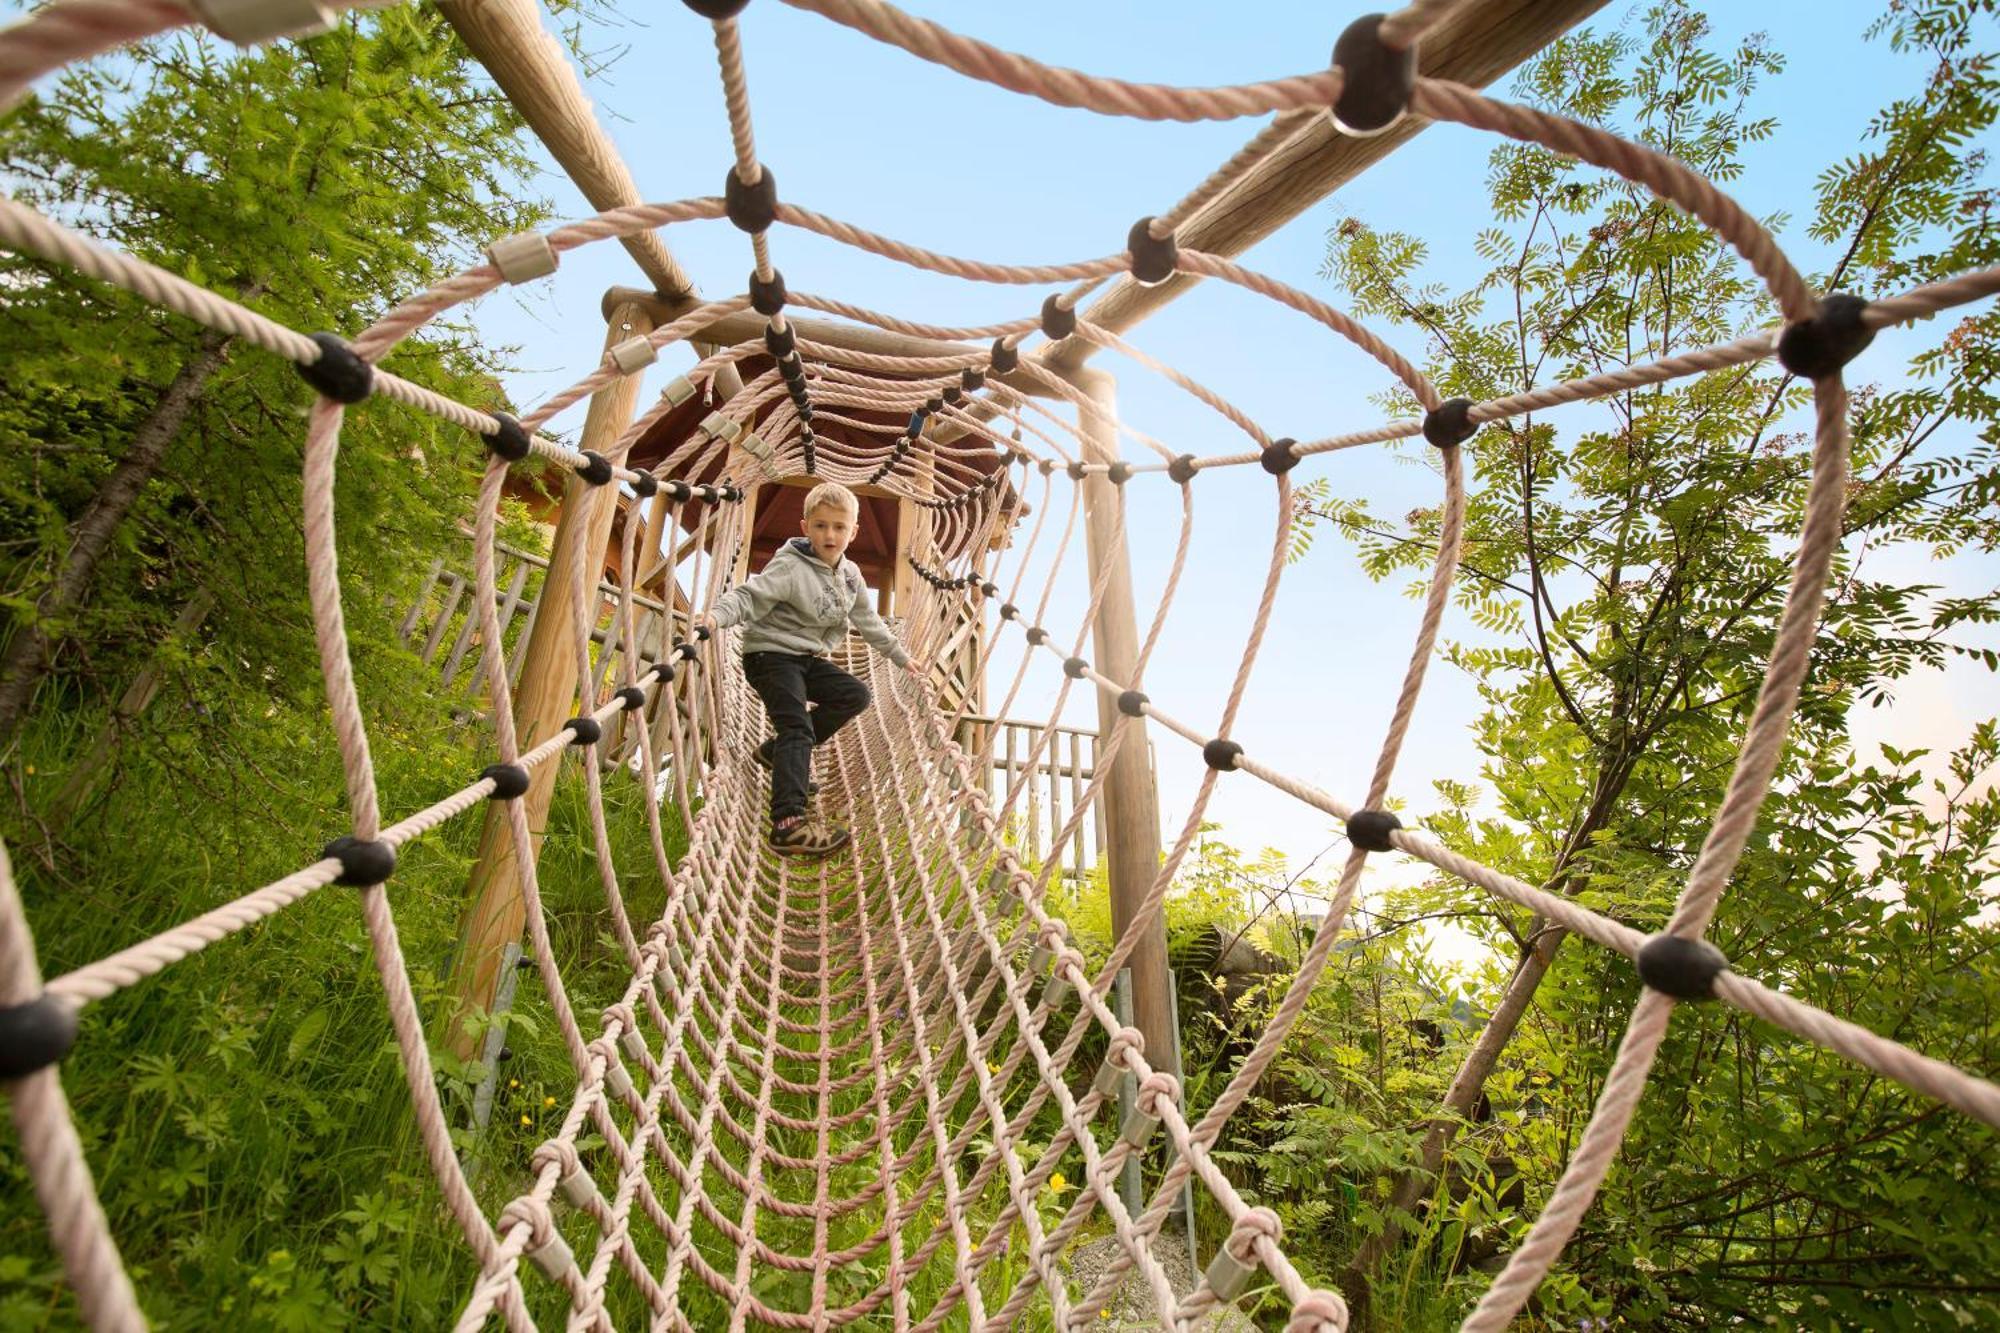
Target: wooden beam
point(748, 326)
point(1474, 45)
point(495, 911)
point(1130, 802)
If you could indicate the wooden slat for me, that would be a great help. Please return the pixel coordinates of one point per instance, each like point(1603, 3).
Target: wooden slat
point(409, 625)
point(453, 592)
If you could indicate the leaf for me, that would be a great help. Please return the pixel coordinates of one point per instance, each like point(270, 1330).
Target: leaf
point(306, 1033)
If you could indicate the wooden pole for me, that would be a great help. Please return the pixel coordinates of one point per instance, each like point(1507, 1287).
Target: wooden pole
point(1131, 805)
point(1474, 44)
point(495, 912)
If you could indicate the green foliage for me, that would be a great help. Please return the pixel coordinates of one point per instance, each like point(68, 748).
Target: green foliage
point(245, 1113)
point(1623, 568)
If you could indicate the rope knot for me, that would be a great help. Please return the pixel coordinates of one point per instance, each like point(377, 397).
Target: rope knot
point(1157, 1085)
point(547, 1250)
point(616, 1081)
point(1255, 1225)
point(622, 1015)
point(1319, 1312)
point(557, 1153)
point(1125, 1043)
point(532, 1213)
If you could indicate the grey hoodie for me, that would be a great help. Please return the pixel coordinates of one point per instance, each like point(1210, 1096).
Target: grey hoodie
point(799, 604)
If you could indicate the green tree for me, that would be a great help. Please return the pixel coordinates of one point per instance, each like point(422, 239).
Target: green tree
point(318, 182)
point(1624, 563)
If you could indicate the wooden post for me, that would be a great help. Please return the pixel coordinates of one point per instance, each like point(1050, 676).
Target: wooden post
point(739, 569)
point(1130, 803)
point(495, 913)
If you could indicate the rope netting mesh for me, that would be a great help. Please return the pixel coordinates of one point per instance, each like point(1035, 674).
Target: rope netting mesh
point(827, 1067)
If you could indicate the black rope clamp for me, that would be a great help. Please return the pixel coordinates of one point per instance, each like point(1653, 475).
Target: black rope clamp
point(509, 780)
point(733, 494)
point(510, 442)
point(1008, 610)
point(717, 10)
point(1181, 471)
point(362, 864)
point(661, 671)
point(1047, 466)
point(953, 395)
point(632, 697)
point(340, 373)
point(1075, 470)
point(1834, 336)
point(686, 651)
point(990, 589)
point(1370, 830)
point(767, 298)
point(645, 485)
point(1278, 457)
point(596, 469)
point(753, 208)
point(1683, 968)
point(1074, 667)
point(970, 380)
point(1132, 703)
point(1037, 635)
point(585, 729)
point(679, 490)
point(1450, 423)
point(1376, 79)
point(1153, 257)
point(1119, 473)
point(35, 1035)
point(1006, 357)
point(1058, 322)
point(781, 343)
point(1221, 754)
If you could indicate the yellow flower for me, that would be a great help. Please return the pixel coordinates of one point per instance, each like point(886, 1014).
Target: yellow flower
point(526, 1121)
point(548, 1101)
point(31, 770)
point(513, 1082)
point(1057, 1184)
point(992, 1066)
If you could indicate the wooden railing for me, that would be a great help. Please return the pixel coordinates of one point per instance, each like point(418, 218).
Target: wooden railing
point(1054, 785)
point(444, 612)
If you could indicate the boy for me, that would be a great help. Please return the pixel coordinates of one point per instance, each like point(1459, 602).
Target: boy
point(796, 611)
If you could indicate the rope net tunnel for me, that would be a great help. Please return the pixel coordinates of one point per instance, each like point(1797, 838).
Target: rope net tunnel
point(827, 1070)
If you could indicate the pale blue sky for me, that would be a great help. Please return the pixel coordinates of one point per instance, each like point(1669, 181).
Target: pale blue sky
point(875, 137)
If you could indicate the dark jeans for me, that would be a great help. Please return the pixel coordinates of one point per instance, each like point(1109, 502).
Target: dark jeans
point(785, 682)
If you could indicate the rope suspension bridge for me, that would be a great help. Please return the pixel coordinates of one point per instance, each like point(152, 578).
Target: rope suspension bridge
point(909, 1009)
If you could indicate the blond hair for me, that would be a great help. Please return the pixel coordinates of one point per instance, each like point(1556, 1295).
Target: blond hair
point(834, 494)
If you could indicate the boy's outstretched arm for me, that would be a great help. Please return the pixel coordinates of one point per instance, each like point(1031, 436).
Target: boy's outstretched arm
point(878, 635)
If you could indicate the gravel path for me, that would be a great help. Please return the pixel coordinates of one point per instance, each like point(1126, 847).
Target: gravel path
point(1132, 1307)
